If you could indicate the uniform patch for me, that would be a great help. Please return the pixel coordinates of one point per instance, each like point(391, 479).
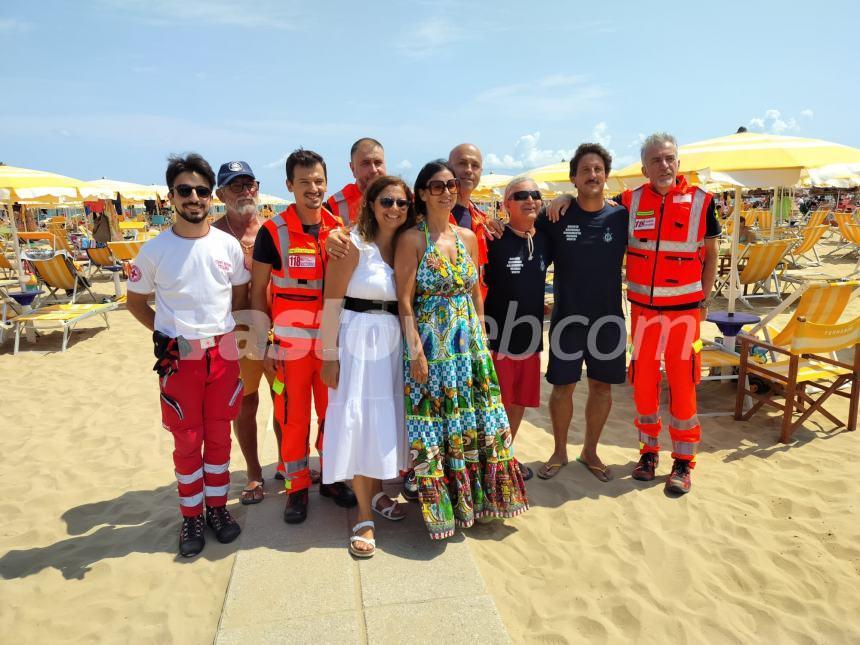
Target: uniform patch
point(224, 265)
point(644, 223)
point(301, 261)
point(515, 264)
point(607, 236)
point(572, 232)
point(134, 274)
point(682, 199)
point(644, 213)
point(235, 166)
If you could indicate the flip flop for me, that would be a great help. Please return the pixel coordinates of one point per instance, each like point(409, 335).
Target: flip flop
point(548, 470)
point(603, 474)
point(252, 493)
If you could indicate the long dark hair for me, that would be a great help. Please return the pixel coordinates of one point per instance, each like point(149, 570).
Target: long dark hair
point(366, 220)
point(429, 169)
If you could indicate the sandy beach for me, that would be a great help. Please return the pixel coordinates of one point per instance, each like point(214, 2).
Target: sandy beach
point(766, 547)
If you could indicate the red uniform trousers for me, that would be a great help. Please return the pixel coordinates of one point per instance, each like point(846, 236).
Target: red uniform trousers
point(198, 403)
point(674, 336)
point(300, 374)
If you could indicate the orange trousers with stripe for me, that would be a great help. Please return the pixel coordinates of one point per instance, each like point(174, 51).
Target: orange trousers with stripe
point(674, 337)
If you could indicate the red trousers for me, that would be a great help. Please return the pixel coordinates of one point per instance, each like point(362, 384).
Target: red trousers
point(674, 337)
point(300, 375)
point(198, 403)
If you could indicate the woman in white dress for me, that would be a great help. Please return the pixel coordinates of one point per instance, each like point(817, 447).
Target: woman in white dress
point(365, 437)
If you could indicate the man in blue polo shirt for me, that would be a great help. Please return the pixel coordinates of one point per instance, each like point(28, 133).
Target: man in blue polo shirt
point(587, 325)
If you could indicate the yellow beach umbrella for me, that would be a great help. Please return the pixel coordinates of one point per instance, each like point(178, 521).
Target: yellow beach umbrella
point(490, 186)
point(134, 193)
point(273, 200)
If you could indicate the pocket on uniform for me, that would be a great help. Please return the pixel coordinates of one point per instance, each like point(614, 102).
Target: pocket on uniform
point(172, 415)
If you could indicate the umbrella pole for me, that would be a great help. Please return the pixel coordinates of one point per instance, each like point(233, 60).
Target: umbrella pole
point(15, 246)
point(733, 270)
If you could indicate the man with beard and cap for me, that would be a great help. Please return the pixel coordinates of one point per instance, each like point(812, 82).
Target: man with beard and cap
point(239, 191)
point(367, 162)
point(199, 277)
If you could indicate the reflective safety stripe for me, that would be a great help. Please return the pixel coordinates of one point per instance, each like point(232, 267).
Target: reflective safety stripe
point(193, 500)
point(648, 419)
point(648, 440)
point(685, 424)
point(217, 469)
point(665, 292)
point(217, 491)
point(189, 479)
point(296, 332)
point(672, 247)
point(342, 207)
point(286, 282)
point(296, 466)
point(235, 393)
point(684, 448)
point(634, 206)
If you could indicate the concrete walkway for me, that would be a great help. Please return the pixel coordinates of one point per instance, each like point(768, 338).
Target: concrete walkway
point(299, 584)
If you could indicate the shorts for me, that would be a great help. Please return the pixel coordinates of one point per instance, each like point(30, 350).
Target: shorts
point(252, 372)
point(519, 378)
point(601, 345)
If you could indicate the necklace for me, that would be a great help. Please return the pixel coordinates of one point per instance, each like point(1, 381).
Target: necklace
point(530, 245)
point(245, 247)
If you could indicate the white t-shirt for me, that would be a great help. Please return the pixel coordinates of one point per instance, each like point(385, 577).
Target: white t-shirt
point(193, 281)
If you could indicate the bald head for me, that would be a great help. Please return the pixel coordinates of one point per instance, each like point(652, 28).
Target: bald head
point(468, 163)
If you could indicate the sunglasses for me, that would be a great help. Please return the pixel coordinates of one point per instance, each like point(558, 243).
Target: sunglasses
point(184, 190)
point(238, 188)
point(388, 202)
point(437, 186)
point(523, 195)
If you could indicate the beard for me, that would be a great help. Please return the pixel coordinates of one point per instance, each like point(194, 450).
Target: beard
point(247, 210)
point(193, 219)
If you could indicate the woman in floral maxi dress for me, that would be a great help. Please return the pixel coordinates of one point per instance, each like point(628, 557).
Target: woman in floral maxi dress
point(458, 433)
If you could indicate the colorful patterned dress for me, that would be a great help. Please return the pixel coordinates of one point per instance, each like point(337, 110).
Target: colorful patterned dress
point(459, 435)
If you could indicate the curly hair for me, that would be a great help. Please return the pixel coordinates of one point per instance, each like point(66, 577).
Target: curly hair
point(367, 225)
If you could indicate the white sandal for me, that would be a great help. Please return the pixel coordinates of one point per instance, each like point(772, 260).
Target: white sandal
point(388, 511)
point(358, 538)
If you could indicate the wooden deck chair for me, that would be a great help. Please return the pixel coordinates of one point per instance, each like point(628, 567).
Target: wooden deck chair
point(67, 315)
point(809, 237)
point(762, 260)
point(806, 366)
point(125, 251)
point(59, 272)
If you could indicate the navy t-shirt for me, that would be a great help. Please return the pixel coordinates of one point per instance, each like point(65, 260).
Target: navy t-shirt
point(588, 251)
point(515, 280)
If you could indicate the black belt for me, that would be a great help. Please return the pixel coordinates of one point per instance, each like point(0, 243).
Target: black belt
point(361, 305)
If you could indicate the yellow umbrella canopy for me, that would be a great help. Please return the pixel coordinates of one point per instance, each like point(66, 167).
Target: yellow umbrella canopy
point(490, 183)
point(136, 193)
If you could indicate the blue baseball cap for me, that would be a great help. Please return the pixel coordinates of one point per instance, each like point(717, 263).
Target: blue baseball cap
point(232, 169)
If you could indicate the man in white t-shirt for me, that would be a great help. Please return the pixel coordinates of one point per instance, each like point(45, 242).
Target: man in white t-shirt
point(199, 277)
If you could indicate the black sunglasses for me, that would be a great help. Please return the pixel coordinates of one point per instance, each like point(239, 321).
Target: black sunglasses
point(523, 195)
point(388, 202)
point(184, 190)
point(437, 186)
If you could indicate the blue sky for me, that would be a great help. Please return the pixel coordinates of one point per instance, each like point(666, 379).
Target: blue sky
point(110, 87)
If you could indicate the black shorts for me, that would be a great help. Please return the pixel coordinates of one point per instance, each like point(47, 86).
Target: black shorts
point(601, 345)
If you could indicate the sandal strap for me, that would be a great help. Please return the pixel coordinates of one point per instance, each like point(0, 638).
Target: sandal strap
point(358, 538)
point(365, 524)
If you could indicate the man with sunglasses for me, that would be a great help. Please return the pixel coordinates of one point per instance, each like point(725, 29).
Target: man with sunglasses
point(587, 325)
point(367, 162)
point(515, 274)
point(239, 191)
point(288, 250)
point(199, 277)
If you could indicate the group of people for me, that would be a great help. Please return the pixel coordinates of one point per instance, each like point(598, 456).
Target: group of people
point(413, 324)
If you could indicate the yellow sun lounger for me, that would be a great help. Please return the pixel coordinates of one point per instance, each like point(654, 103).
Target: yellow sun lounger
point(809, 237)
point(67, 316)
point(762, 260)
point(59, 272)
point(125, 251)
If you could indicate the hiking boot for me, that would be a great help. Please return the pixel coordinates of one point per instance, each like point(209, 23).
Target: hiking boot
point(296, 510)
point(340, 493)
point(191, 539)
point(219, 520)
point(646, 467)
point(410, 486)
point(679, 479)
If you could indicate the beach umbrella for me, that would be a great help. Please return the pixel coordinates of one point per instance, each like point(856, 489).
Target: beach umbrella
point(25, 185)
point(273, 200)
point(130, 192)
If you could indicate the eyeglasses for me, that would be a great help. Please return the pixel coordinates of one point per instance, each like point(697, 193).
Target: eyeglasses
point(184, 190)
point(437, 186)
point(238, 188)
point(388, 202)
point(523, 195)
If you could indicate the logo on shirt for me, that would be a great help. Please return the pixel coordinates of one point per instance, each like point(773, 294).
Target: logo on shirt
point(301, 261)
point(134, 274)
point(645, 221)
point(572, 232)
point(607, 236)
point(225, 266)
point(515, 264)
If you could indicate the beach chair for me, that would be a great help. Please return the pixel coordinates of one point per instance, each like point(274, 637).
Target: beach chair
point(100, 258)
point(59, 272)
point(817, 218)
point(125, 251)
point(37, 240)
point(809, 237)
point(806, 366)
point(6, 265)
point(759, 270)
point(133, 228)
point(66, 315)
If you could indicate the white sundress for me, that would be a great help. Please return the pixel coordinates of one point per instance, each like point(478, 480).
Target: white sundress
point(365, 431)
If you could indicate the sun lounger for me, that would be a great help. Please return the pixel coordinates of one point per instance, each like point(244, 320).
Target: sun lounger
point(66, 315)
point(125, 251)
point(59, 272)
point(809, 237)
point(759, 271)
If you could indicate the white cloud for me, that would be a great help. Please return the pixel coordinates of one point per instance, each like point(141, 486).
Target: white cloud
point(8, 25)
point(600, 134)
point(264, 14)
point(808, 113)
point(557, 97)
point(404, 165)
point(773, 122)
point(527, 154)
point(428, 37)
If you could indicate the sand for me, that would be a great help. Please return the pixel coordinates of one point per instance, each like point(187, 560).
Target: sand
point(766, 548)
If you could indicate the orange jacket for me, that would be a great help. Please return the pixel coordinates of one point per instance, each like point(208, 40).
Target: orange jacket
point(666, 245)
point(478, 221)
point(297, 287)
point(345, 203)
